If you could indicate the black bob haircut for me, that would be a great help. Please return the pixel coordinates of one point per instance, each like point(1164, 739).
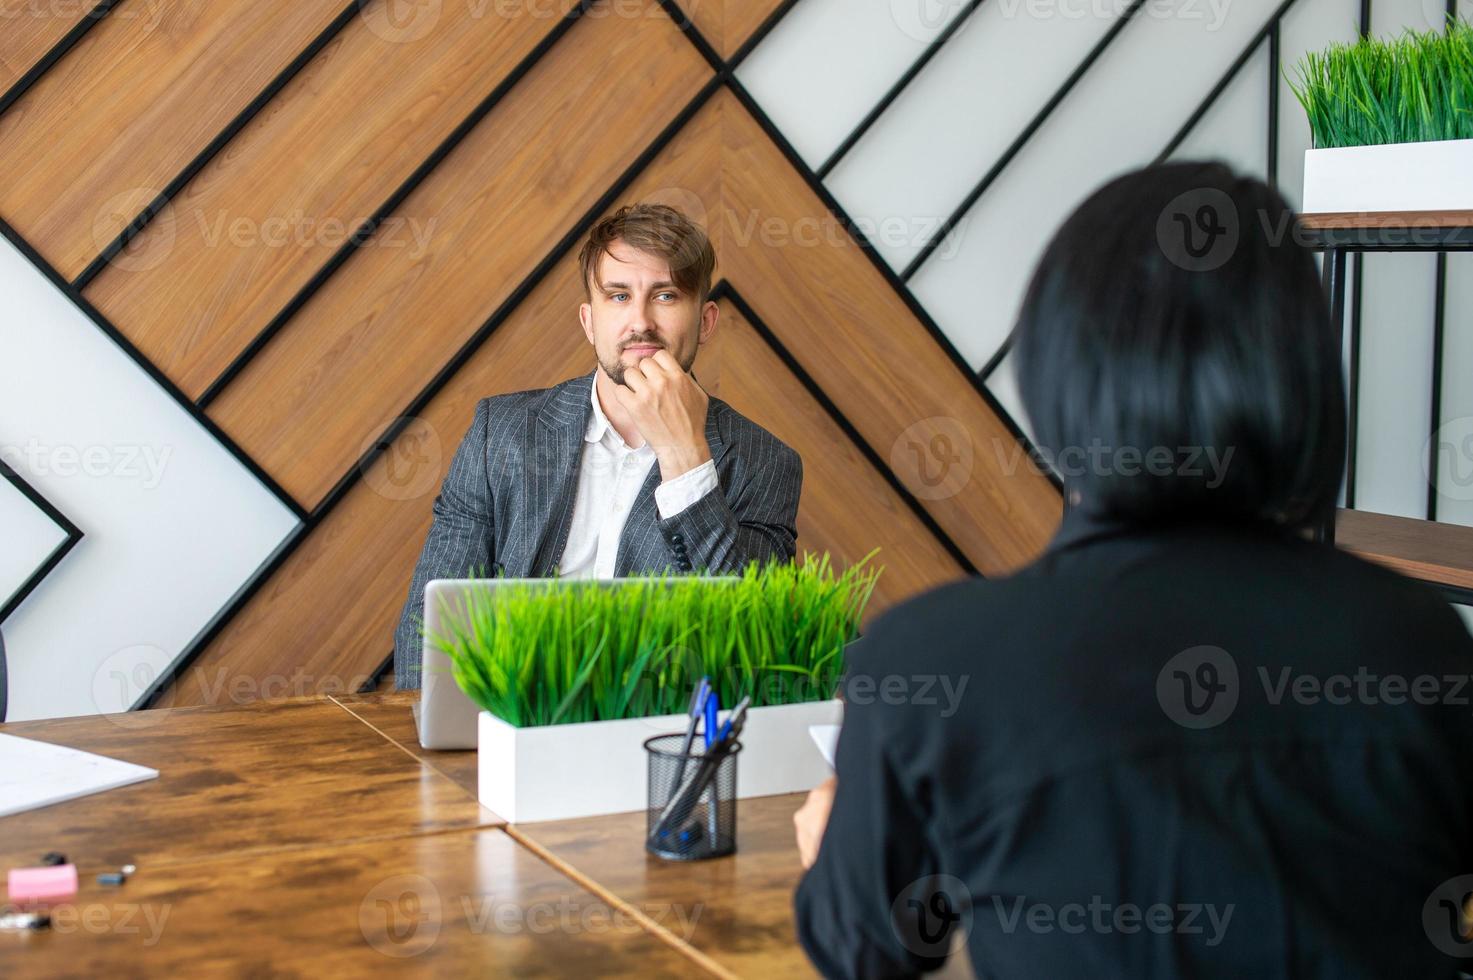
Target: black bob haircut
point(1178, 308)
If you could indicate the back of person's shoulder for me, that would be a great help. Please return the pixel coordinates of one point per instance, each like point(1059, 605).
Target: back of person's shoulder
point(947, 620)
point(1308, 569)
point(1326, 606)
point(1372, 592)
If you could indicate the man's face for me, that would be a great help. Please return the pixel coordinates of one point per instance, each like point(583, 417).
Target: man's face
point(636, 309)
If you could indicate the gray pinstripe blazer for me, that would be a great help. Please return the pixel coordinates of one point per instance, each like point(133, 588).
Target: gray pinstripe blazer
point(507, 503)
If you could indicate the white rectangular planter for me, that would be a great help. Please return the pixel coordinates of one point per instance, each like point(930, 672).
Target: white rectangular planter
point(553, 772)
point(1431, 176)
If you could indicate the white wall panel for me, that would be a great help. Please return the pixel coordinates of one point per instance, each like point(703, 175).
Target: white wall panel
point(1003, 383)
point(1235, 129)
point(1310, 25)
point(1119, 117)
point(30, 538)
point(958, 117)
point(1455, 466)
point(828, 62)
point(174, 524)
point(1395, 383)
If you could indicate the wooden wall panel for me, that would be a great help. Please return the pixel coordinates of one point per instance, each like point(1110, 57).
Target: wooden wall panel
point(853, 333)
point(386, 323)
point(338, 141)
point(727, 24)
point(103, 132)
point(847, 508)
point(28, 30)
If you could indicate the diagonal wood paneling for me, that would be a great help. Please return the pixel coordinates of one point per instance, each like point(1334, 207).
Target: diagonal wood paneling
point(854, 334)
point(727, 24)
point(28, 30)
point(847, 507)
point(385, 324)
point(249, 232)
point(102, 133)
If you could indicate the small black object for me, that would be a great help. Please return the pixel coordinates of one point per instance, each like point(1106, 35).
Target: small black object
point(53, 858)
point(112, 878)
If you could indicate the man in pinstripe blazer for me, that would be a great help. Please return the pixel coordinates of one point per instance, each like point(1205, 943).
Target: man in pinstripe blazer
point(630, 469)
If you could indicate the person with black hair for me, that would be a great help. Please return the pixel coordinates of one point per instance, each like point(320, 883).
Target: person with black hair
point(1189, 740)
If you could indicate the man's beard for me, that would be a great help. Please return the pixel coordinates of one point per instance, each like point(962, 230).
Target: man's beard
point(615, 368)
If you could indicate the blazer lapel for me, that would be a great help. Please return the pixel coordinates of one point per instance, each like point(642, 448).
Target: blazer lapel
point(552, 474)
point(640, 545)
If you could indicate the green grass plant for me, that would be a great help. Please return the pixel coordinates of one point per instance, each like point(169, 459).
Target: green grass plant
point(533, 655)
point(1407, 89)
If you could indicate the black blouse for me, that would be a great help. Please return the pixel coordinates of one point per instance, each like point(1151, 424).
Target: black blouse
point(1194, 751)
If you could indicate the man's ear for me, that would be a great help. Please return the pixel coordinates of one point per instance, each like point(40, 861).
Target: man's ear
point(585, 317)
point(709, 315)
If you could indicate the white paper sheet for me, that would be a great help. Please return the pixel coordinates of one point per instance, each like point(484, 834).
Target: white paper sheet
point(826, 737)
point(35, 774)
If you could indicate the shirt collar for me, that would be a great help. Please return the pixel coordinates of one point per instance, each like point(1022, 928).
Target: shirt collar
point(599, 425)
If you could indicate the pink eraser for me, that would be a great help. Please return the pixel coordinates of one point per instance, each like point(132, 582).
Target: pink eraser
point(43, 884)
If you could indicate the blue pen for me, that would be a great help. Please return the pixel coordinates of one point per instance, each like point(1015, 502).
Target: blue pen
point(736, 715)
point(713, 708)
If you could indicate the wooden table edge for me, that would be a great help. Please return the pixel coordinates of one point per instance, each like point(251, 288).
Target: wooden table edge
point(612, 898)
point(1357, 220)
point(422, 760)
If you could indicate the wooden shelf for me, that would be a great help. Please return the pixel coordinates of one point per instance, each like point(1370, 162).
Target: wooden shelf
point(1351, 220)
point(1438, 553)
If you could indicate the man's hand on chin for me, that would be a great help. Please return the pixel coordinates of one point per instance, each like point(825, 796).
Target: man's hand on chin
point(669, 409)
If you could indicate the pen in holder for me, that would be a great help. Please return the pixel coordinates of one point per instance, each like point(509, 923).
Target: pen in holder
point(692, 798)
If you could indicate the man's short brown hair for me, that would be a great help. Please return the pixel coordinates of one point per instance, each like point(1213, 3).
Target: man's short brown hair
point(659, 230)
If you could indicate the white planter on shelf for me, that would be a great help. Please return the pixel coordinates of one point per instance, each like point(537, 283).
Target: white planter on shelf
point(554, 772)
point(1431, 176)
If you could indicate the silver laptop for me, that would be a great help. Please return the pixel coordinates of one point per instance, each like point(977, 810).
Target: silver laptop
point(444, 715)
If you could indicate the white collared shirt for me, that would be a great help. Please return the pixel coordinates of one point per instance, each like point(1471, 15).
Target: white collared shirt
point(609, 479)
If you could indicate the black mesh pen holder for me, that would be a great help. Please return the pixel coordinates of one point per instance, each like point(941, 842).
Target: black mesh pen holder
point(692, 800)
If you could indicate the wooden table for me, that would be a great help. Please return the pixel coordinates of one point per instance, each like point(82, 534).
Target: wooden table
point(314, 837)
point(737, 910)
point(233, 780)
